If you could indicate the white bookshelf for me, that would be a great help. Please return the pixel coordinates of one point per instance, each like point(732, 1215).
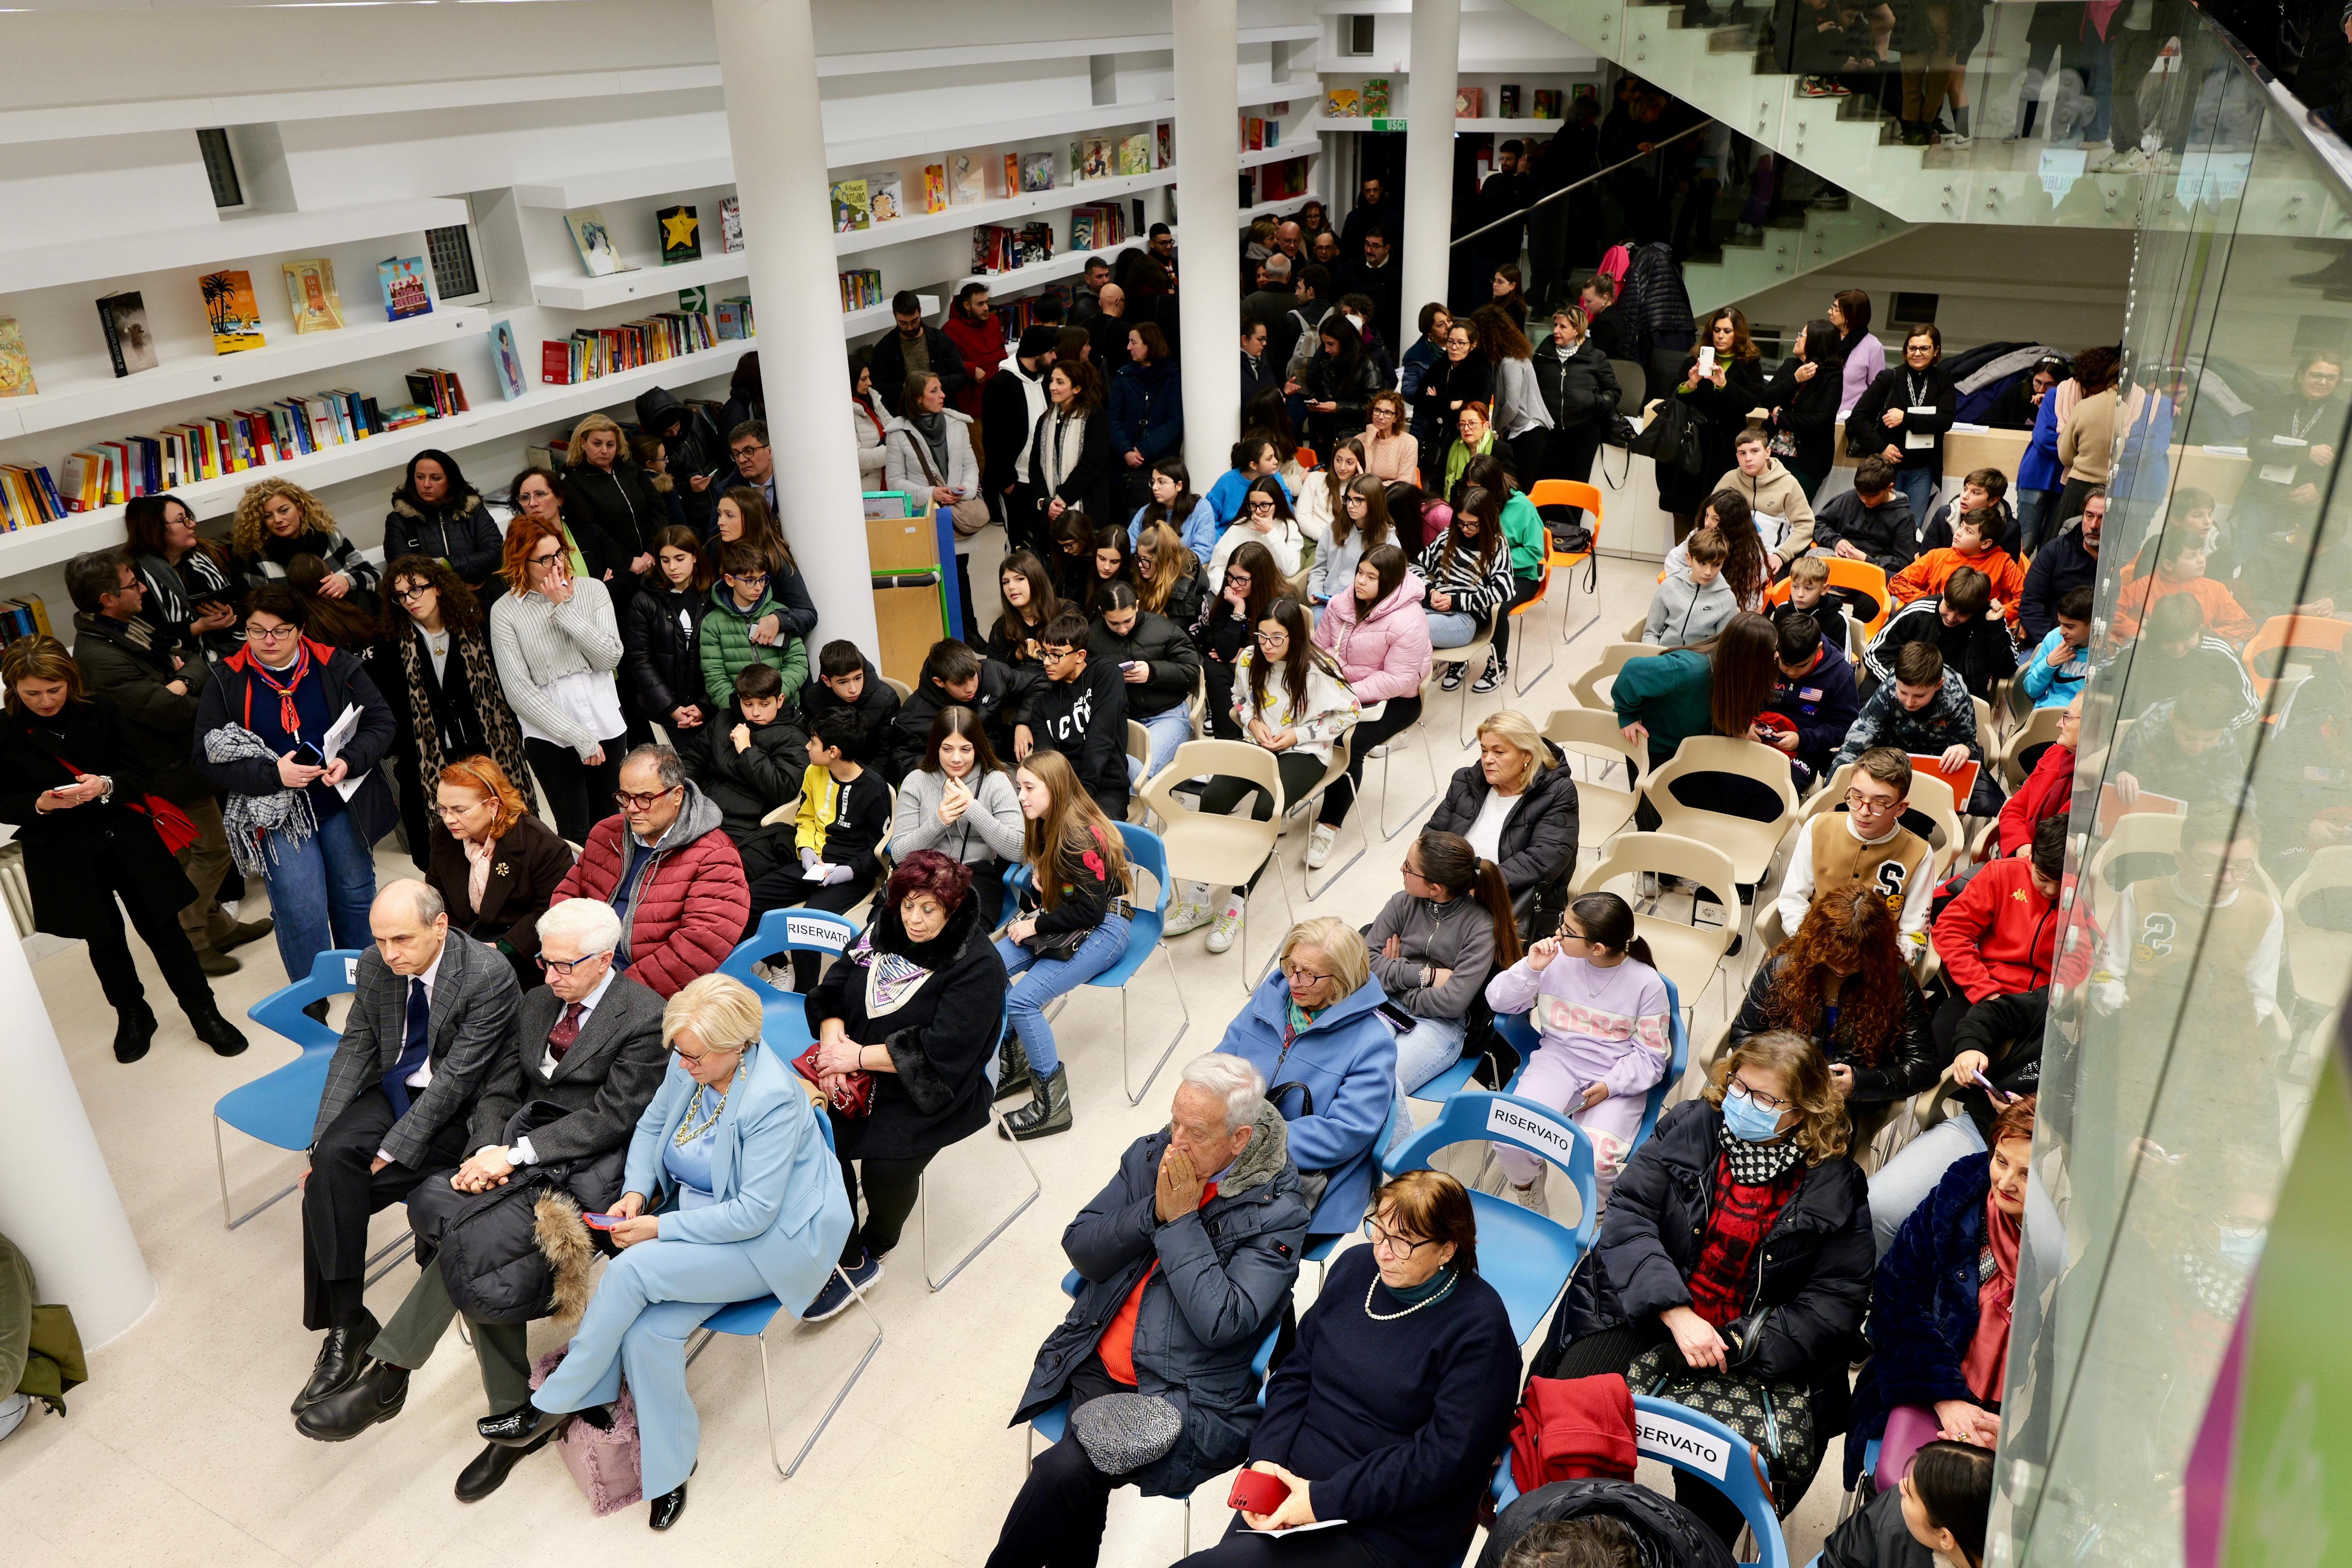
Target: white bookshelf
point(1283, 208)
point(1521, 127)
point(230, 240)
point(1289, 149)
point(895, 145)
point(1069, 264)
point(1298, 88)
point(586, 190)
point(1002, 210)
point(874, 317)
point(575, 292)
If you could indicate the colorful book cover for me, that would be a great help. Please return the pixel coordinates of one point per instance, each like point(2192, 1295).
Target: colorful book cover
point(1095, 159)
point(730, 224)
point(510, 358)
point(1272, 132)
point(598, 253)
point(129, 341)
point(554, 365)
point(1076, 162)
point(1254, 135)
point(1470, 103)
point(1507, 100)
point(1546, 103)
point(310, 295)
point(15, 365)
point(966, 179)
point(1343, 103)
point(850, 213)
point(233, 314)
point(1135, 154)
point(402, 279)
point(1013, 174)
point(935, 188)
point(883, 199)
point(1376, 98)
point(1167, 153)
point(681, 235)
point(1036, 171)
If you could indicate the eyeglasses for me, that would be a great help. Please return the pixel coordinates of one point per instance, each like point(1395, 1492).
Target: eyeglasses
point(756, 580)
point(1272, 639)
point(630, 800)
point(697, 1058)
point(1300, 977)
point(1771, 1102)
point(746, 450)
point(548, 965)
point(550, 559)
point(1856, 801)
point(1051, 654)
point(1261, 504)
point(446, 812)
point(272, 633)
point(413, 593)
point(1380, 1237)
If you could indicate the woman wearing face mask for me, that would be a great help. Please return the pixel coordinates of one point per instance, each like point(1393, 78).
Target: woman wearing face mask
point(1903, 415)
point(959, 801)
point(661, 637)
point(436, 513)
point(1737, 1242)
point(1580, 391)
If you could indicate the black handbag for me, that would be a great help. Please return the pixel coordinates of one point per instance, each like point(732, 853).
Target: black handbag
point(1671, 439)
point(1776, 1418)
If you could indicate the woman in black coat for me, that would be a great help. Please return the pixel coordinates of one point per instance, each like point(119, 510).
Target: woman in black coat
point(1918, 398)
point(72, 787)
point(436, 513)
point(1722, 398)
point(1069, 449)
point(1580, 390)
point(1461, 374)
point(1804, 398)
point(480, 820)
point(1338, 384)
point(607, 494)
point(661, 638)
point(1536, 847)
point(922, 1026)
point(1737, 1239)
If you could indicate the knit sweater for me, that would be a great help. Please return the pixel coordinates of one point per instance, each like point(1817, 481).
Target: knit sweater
point(1459, 935)
point(536, 641)
point(990, 826)
point(1329, 711)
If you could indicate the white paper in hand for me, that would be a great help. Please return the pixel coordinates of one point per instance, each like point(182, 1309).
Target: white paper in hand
point(339, 734)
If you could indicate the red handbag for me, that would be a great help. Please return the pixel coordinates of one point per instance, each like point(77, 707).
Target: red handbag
point(174, 826)
point(854, 1097)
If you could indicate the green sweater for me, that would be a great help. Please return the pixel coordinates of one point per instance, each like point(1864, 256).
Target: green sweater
point(728, 649)
point(1531, 540)
point(1670, 693)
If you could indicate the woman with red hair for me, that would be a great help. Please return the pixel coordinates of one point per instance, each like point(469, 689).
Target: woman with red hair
point(495, 865)
point(556, 642)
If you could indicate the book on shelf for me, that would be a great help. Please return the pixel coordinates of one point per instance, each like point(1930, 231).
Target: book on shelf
point(15, 365)
point(1546, 103)
point(1343, 103)
point(681, 235)
point(1280, 181)
point(734, 318)
point(1036, 171)
point(26, 617)
point(883, 199)
point(1252, 134)
point(310, 295)
point(1507, 100)
point(402, 279)
point(508, 359)
point(1376, 98)
point(730, 224)
point(1094, 226)
point(998, 248)
point(232, 311)
point(967, 179)
point(935, 188)
point(593, 352)
point(861, 288)
point(1013, 174)
point(1470, 103)
point(27, 498)
point(1015, 316)
point(1095, 159)
point(1165, 151)
point(439, 390)
point(850, 213)
point(129, 341)
point(593, 237)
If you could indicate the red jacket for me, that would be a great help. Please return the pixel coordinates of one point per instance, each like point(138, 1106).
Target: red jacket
point(1569, 1428)
point(1996, 937)
point(690, 908)
point(2047, 791)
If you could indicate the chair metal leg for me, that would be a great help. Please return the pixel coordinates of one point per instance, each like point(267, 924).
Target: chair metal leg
point(923, 1208)
point(1520, 689)
point(386, 1255)
point(1566, 636)
point(1251, 985)
point(1388, 834)
point(1364, 843)
point(767, 1399)
point(1135, 1096)
point(220, 1164)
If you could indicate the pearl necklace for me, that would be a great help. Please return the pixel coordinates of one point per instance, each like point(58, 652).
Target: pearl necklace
point(1444, 1291)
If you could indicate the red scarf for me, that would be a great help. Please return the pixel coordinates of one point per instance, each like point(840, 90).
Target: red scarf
point(1986, 1361)
point(291, 721)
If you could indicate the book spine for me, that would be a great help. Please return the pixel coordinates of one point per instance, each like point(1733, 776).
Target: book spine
point(113, 339)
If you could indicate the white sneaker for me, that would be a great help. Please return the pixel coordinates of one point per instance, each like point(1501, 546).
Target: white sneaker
point(1189, 911)
point(777, 975)
point(1228, 925)
point(1319, 845)
point(1531, 1197)
point(1379, 751)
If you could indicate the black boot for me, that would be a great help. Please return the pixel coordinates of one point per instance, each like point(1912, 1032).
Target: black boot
point(316, 1010)
point(341, 1359)
point(1012, 1074)
point(216, 1031)
point(376, 1395)
point(135, 1031)
point(491, 1467)
point(1048, 1114)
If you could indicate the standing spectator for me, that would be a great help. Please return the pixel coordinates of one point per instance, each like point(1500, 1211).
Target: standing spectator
point(1107, 330)
point(436, 513)
point(912, 346)
point(928, 456)
point(1723, 399)
point(755, 459)
point(1460, 376)
point(539, 494)
point(188, 589)
point(1372, 210)
point(662, 638)
point(1861, 357)
point(1605, 327)
point(1010, 405)
point(1158, 665)
point(2040, 475)
point(278, 521)
point(1338, 384)
point(696, 452)
point(1436, 325)
point(434, 667)
point(746, 396)
point(1581, 392)
point(1804, 397)
point(1069, 449)
point(495, 865)
point(1523, 417)
point(666, 865)
point(1372, 270)
point(959, 801)
point(605, 490)
point(1902, 416)
point(1259, 368)
point(979, 340)
point(556, 644)
point(743, 518)
point(1147, 414)
point(2087, 428)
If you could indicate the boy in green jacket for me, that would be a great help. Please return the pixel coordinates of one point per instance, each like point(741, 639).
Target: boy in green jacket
point(739, 600)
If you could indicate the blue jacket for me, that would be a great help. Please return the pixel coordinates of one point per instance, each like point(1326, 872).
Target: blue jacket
point(1224, 496)
point(2048, 685)
point(1344, 1065)
point(772, 1169)
point(1822, 702)
point(1924, 1312)
point(1146, 411)
point(1200, 530)
point(2038, 468)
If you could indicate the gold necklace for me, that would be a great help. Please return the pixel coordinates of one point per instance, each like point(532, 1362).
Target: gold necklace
point(688, 1130)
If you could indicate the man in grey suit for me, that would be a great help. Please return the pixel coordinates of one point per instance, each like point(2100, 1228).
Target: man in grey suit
point(430, 1011)
point(586, 1059)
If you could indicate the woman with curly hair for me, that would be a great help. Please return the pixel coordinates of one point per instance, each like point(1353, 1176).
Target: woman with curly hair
point(276, 521)
point(1839, 980)
point(432, 665)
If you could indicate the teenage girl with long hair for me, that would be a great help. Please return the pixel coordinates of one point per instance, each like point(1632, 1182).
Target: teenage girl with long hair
point(1839, 980)
point(1250, 583)
point(1436, 943)
point(1173, 502)
point(1168, 579)
point(1468, 570)
point(1360, 524)
point(1745, 572)
point(1026, 592)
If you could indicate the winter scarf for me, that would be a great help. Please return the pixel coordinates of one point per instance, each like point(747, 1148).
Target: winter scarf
point(482, 678)
point(257, 824)
point(1986, 1361)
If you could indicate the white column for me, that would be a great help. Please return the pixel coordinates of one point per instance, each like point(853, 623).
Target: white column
point(58, 1201)
point(767, 64)
point(1433, 73)
point(1208, 66)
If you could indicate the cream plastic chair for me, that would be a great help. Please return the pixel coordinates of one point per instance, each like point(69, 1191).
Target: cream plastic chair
point(1702, 1061)
point(1688, 955)
point(2134, 833)
point(1750, 844)
point(1601, 811)
point(1471, 657)
point(1389, 755)
point(2321, 959)
point(1331, 771)
point(2040, 728)
point(902, 687)
point(1138, 747)
point(1613, 658)
point(1223, 852)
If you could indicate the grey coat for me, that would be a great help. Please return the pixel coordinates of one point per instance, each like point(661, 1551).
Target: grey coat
point(603, 1083)
point(1459, 936)
point(471, 1023)
point(1225, 1272)
point(989, 829)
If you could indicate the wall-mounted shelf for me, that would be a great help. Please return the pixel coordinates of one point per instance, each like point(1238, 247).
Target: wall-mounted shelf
point(231, 239)
point(1003, 210)
point(874, 317)
point(622, 185)
point(1069, 264)
point(1002, 133)
point(963, 56)
point(79, 402)
point(1281, 209)
point(1298, 88)
point(646, 283)
point(1305, 149)
point(1512, 126)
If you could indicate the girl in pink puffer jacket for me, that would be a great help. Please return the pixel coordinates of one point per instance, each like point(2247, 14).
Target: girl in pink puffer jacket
point(1384, 655)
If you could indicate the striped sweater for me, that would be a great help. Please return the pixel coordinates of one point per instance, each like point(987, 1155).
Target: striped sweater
point(1474, 594)
point(536, 642)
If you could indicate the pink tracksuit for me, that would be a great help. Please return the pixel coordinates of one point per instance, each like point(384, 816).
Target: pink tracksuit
point(1609, 1026)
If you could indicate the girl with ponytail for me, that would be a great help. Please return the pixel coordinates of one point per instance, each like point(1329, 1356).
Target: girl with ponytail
point(1601, 1009)
point(1435, 944)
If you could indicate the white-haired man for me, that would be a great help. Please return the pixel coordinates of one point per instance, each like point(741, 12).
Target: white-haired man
point(1188, 1257)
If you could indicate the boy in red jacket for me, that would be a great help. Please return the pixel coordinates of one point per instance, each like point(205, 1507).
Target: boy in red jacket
point(1998, 938)
point(2049, 791)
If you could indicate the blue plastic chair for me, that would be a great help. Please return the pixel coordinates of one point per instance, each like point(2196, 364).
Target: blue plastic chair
point(784, 1014)
point(280, 1107)
point(751, 1319)
point(1516, 1029)
point(923, 1185)
point(1148, 851)
point(1527, 1256)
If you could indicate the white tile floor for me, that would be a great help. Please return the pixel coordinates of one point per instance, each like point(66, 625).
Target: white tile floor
point(181, 1450)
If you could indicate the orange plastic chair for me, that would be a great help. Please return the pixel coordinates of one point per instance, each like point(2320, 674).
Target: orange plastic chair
point(2284, 631)
point(1304, 457)
point(1570, 493)
point(1856, 576)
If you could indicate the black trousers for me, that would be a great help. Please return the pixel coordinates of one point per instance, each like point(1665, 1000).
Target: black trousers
point(892, 1187)
point(1394, 720)
point(109, 950)
point(1245, 1548)
point(785, 887)
point(1300, 773)
point(579, 795)
point(1056, 1519)
point(342, 1194)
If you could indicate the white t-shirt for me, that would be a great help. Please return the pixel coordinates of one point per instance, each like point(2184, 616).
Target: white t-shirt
point(1485, 834)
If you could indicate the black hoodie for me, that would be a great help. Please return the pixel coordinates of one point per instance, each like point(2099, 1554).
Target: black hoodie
point(999, 697)
point(1086, 720)
point(692, 446)
point(746, 785)
point(876, 707)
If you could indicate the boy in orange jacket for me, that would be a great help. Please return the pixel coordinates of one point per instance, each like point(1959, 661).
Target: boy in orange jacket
point(1972, 545)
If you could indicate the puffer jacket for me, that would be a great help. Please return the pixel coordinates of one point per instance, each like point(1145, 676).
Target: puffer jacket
point(1908, 1065)
point(1333, 1083)
point(661, 651)
point(1877, 1537)
point(1924, 1313)
point(1578, 384)
point(619, 504)
point(1386, 654)
point(1815, 1272)
point(1665, 1533)
point(1146, 411)
point(463, 534)
point(749, 784)
point(1220, 1276)
point(690, 906)
point(728, 649)
point(1538, 840)
point(1158, 642)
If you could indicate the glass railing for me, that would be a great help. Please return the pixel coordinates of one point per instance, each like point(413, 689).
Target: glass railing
point(2211, 844)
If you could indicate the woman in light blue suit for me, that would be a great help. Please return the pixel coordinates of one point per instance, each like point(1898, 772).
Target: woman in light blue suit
point(732, 1194)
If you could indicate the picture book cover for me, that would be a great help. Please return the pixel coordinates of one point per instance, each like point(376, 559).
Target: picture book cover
point(681, 235)
point(850, 212)
point(935, 188)
point(1253, 134)
point(1013, 174)
point(503, 348)
point(1507, 97)
point(883, 199)
point(1095, 159)
point(15, 365)
point(1166, 154)
point(402, 278)
point(598, 253)
point(730, 224)
point(1343, 103)
point(232, 311)
point(129, 341)
point(1036, 171)
point(966, 179)
point(310, 295)
point(1470, 103)
point(1135, 154)
point(1076, 162)
point(1376, 98)
point(1546, 103)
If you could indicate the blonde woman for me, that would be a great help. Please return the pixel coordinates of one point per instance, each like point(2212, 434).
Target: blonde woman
point(1516, 804)
point(278, 520)
point(1390, 452)
point(1168, 579)
point(606, 491)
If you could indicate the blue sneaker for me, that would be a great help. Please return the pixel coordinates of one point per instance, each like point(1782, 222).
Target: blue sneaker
point(835, 1298)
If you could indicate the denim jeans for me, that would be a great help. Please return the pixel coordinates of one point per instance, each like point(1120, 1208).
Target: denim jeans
point(1904, 1182)
point(1451, 629)
point(319, 891)
point(2032, 513)
point(1432, 1046)
point(1168, 731)
point(1037, 981)
point(1919, 486)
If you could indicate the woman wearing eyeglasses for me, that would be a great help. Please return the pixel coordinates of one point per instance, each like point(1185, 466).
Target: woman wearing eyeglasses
point(495, 865)
point(1737, 1246)
point(433, 665)
point(557, 642)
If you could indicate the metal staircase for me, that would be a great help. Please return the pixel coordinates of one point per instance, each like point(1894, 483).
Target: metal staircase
point(1813, 236)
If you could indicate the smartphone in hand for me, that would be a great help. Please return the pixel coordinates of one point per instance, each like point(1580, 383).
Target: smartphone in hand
point(602, 1222)
point(1255, 1492)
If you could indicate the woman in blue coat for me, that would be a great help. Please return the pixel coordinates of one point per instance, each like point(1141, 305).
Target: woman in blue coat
point(1313, 1030)
point(1147, 413)
point(732, 1192)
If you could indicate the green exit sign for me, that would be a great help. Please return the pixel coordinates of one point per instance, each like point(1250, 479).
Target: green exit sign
point(1388, 125)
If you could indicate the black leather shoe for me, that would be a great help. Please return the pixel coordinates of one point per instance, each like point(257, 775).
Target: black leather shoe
point(216, 1031)
point(521, 1427)
point(316, 1011)
point(488, 1471)
point(133, 1033)
point(342, 1358)
point(376, 1395)
point(667, 1507)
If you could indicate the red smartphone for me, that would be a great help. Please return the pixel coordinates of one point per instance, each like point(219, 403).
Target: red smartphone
point(1257, 1492)
point(602, 1222)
